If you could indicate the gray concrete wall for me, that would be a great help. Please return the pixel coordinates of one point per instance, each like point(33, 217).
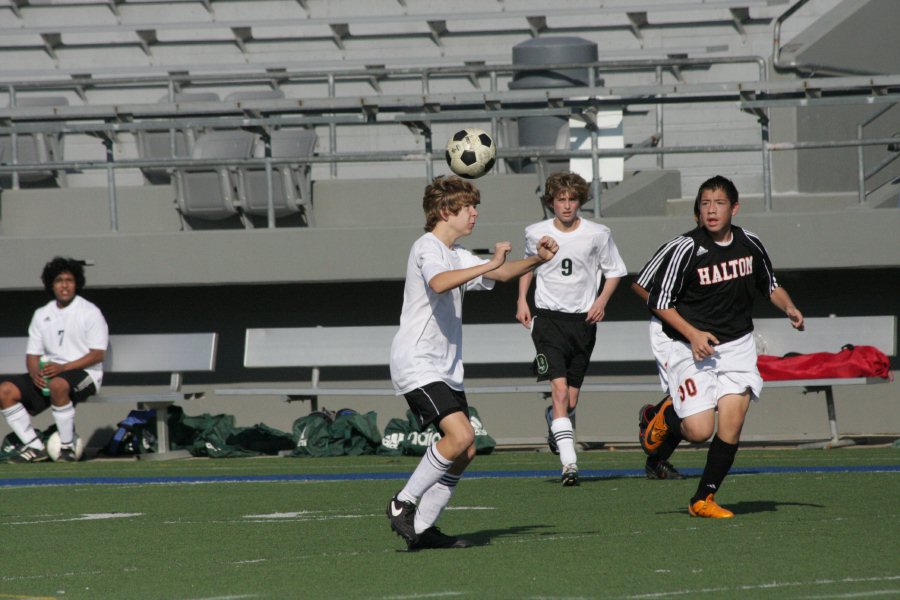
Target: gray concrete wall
point(379, 220)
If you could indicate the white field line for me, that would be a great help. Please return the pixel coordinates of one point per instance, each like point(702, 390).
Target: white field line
point(83, 517)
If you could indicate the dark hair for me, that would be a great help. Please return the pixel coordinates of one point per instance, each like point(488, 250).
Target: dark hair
point(62, 265)
point(716, 183)
point(565, 181)
point(447, 194)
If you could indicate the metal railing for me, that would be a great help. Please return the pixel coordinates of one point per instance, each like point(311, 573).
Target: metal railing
point(755, 97)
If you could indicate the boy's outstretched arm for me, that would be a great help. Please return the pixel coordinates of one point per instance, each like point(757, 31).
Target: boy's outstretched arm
point(546, 250)
point(454, 278)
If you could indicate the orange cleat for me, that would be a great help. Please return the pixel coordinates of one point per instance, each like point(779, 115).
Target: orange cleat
point(709, 509)
point(655, 433)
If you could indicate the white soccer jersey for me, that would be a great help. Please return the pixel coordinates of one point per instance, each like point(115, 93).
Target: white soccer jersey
point(570, 281)
point(428, 346)
point(67, 334)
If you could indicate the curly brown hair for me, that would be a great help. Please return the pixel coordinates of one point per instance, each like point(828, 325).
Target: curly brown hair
point(564, 180)
point(59, 265)
point(447, 195)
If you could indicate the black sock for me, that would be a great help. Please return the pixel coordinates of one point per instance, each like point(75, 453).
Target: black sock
point(718, 462)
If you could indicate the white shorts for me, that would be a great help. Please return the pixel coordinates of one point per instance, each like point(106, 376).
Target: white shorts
point(697, 386)
point(661, 345)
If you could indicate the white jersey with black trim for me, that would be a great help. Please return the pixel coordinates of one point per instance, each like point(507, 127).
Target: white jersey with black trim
point(428, 346)
point(570, 281)
point(68, 333)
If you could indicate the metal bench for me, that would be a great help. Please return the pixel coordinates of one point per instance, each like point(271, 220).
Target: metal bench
point(625, 341)
point(173, 353)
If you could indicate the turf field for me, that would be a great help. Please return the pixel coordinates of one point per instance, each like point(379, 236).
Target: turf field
point(809, 524)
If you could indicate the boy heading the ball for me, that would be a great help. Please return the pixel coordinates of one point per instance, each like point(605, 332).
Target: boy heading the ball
point(73, 334)
point(568, 304)
point(426, 354)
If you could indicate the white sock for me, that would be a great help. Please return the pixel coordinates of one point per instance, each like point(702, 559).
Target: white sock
point(434, 500)
point(431, 468)
point(20, 422)
point(65, 422)
point(564, 436)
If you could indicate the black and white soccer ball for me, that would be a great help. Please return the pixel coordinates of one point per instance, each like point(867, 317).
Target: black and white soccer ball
point(53, 446)
point(471, 153)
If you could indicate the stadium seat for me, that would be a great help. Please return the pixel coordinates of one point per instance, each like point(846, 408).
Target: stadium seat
point(34, 148)
point(210, 193)
point(291, 189)
point(158, 143)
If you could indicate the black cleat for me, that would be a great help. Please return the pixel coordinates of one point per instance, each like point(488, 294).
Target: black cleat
point(29, 454)
point(433, 539)
point(661, 469)
point(570, 476)
point(402, 516)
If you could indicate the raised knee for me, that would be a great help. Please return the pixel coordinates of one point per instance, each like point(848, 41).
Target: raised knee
point(58, 385)
point(9, 394)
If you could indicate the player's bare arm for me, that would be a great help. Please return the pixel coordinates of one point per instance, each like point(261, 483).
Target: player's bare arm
point(448, 280)
point(702, 342)
point(523, 311)
point(598, 309)
point(91, 358)
point(546, 250)
point(32, 364)
point(781, 299)
point(643, 294)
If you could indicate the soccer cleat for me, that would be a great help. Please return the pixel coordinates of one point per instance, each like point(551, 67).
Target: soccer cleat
point(655, 433)
point(709, 509)
point(402, 516)
point(433, 538)
point(30, 454)
point(661, 469)
point(551, 441)
point(644, 415)
point(570, 475)
point(67, 454)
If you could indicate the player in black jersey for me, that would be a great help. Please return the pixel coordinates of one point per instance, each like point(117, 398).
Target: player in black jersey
point(703, 293)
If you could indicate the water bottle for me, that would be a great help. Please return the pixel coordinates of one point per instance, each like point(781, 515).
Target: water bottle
point(43, 362)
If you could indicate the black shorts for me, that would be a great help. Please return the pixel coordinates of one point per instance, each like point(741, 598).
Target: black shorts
point(563, 343)
point(80, 387)
point(434, 401)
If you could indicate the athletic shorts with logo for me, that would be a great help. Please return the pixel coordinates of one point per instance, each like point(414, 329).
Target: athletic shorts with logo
point(697, 386)
point(81, 386)
point(563, 344)
point(434, 401)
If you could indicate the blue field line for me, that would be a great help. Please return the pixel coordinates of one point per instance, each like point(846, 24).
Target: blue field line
point(308, 477)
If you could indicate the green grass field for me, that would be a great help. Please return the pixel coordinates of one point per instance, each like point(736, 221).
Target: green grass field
point(796, 534)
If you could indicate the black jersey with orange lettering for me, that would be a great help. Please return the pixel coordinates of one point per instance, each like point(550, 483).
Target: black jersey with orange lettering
point(712, 285)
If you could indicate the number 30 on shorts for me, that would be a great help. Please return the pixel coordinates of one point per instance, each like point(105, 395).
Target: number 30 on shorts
point(688, 388)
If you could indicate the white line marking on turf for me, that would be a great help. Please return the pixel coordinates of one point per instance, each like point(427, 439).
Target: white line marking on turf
point(226, 597)
point(432, 595)
point(470, 508)
point(83, 517)
point(872, 594)
point(772, 585)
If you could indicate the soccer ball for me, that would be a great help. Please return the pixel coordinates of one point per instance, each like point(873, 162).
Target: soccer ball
point(471, 152)
point(53, 446)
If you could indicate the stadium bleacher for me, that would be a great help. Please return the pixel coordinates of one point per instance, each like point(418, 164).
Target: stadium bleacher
point(144, 85)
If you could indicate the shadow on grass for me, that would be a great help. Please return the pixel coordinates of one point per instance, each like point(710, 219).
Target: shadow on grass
point(760, 506)
point(483, 538)
point(749, 507)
